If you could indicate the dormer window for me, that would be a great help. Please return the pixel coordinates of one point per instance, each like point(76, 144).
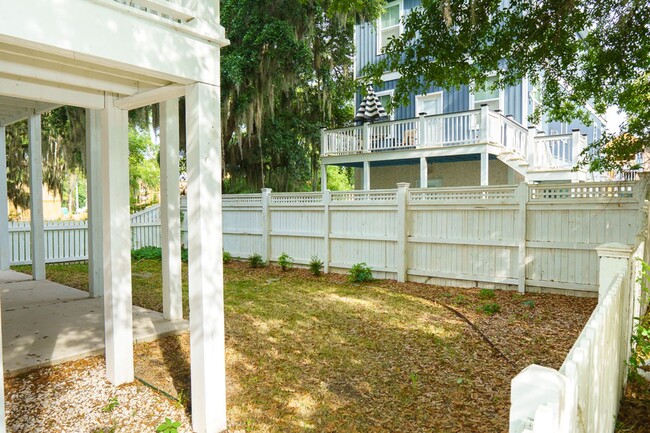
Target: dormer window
point(389, 25)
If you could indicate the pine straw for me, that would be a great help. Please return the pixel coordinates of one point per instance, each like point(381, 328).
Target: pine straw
point(323, 355)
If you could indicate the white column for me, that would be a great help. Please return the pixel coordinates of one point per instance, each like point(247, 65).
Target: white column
point(327, 201)
point(266, 224)
point(5, 247)
point(323, 177)
point(485, 164)
point(522, 197)
point(366, 175)
point(94, 202)
point(402, 232)
point(207, 347)
point(170, 211)
point(118, 327)
point(36, 197)
point(576, 147)
point(424, 173)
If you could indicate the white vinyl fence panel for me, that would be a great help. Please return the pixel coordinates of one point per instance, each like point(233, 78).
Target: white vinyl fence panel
point(530, 236)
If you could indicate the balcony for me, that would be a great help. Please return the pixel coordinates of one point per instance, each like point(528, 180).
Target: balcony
point(524, 149)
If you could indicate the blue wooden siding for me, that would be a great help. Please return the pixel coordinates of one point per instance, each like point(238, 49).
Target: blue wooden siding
point(512, 101)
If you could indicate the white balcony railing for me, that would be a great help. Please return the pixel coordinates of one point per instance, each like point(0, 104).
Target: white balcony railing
point(557, 151)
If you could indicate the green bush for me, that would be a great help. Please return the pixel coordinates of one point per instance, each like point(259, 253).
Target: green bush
point(529, 303)
point(315, 266)
point(360, 273)
point(227, 257)
point(168, 426)
point(255, 261)
point(154, 253)
point(491, 308)
point(486, 294)
point(285, 261)
point(147, 253)
point(459, 300)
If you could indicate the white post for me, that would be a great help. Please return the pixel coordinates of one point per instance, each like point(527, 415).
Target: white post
point(36, 198)
point(421, 132)
point(207, 343)
point(5, 247)
point(94, 203)
point(266, 224)
point(366, 137)
point(484, 122)
point(3, 426)
point(576, 142)
point(323, 177)
point(402, 231)
point(366, 175)
point(327, 200)
point(485, 164)
point(170, 211)
point(118, 327)
point(323, 151)
point(614, 258)
point(424, 172)
point(532, 156)
point(522, 197)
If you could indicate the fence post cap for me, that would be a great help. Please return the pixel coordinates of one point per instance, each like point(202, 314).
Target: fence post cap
point(403, 184)
point(614, 249)
point(266, 190)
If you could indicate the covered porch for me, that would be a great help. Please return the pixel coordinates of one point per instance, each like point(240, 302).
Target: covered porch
point(105, 56)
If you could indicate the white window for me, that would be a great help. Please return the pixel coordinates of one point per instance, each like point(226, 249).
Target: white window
point(492, 97)
point(389, 24)
point(430, 104)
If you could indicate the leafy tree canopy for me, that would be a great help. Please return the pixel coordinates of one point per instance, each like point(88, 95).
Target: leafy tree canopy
point(575, 52)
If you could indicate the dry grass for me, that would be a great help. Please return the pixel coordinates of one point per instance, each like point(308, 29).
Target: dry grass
point(323, 355)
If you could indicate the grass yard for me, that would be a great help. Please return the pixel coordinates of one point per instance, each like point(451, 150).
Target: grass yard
point(321, 354)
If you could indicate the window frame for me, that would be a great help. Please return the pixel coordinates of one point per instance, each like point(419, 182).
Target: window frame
point(379, 29)
point(500, 98)
point(438, 95)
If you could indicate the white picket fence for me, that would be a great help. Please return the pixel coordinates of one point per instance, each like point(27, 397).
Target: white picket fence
point(584, 395)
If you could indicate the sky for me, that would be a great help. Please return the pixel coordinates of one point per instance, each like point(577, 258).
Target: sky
point(614, 119)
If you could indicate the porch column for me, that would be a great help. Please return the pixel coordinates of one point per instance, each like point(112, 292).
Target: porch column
point(323, 177)
point(118, 327)
point(36, 197)
point(5, 247)
point(424, 173)
point(207, 347)
point(366, 175)
point(94, 202)
point(485, 161)
point(170, 211)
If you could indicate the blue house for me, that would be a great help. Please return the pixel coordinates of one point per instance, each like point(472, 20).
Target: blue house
point(453, 137)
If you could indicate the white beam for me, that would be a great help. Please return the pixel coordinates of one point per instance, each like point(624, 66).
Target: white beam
point(150, 97)
point(94, 203)
point(118, 327)
point(323, 177)
point(36, 198)
point(170, 211)
point(207, 347)
point(485, 163)
point(19, 88)
point(5, 247)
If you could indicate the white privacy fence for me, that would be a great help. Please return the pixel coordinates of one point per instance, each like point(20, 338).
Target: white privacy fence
point(584, 395)
point(529, 236)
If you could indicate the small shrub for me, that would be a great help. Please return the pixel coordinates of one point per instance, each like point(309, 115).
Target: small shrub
point(147, 253)
point(529, 303)
point(491, 308)
point(227, 257)
point(641, 341)
point(285, 261)
point(486, 294)
point(168, 426)
point(360, 273)
point(315, 266)
point(255, 260)
point(184, 255)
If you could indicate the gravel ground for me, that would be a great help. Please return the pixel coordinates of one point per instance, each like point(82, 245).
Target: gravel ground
point(75, 397)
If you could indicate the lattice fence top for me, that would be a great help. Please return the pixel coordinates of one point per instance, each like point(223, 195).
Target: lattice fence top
point(374, 196)
point(242, 199)
point(438, 195)
point(305, 198)
point(576, 191)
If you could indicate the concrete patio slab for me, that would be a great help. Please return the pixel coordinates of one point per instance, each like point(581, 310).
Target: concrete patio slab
point(13, 276)
point(45, 323)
